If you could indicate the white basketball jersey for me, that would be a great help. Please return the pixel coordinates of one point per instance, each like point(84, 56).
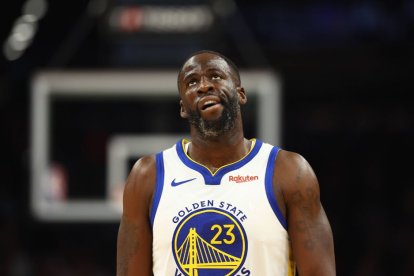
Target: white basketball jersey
point(222, 223)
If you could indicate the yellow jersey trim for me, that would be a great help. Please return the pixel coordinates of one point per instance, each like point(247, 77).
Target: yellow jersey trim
point(185, 141)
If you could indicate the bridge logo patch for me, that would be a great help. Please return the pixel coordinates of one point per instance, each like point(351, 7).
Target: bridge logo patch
point(211, 242)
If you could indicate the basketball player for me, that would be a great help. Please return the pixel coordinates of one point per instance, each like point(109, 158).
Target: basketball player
point(220, 204)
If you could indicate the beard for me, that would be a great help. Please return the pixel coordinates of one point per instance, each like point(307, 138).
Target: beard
point(216, 128)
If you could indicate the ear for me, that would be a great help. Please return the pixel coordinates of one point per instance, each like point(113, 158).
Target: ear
point(183, 112)
point(242, 95)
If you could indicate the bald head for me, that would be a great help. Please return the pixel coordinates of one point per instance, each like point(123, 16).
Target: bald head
point(210, 55)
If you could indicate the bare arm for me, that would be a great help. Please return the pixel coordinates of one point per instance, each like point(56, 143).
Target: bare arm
point(308, 226)
point(134, 248)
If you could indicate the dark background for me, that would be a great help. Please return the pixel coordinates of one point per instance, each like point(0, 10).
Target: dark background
point(346, 69)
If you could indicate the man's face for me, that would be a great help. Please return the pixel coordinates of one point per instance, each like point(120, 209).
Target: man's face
point(210, 97)
point(219, 126)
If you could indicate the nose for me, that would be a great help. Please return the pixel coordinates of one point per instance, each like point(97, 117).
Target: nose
point(205, 85)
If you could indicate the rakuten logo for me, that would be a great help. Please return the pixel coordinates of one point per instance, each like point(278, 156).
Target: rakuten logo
point(240, 179)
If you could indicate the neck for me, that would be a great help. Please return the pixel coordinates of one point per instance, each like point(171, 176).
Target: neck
point(215, 152)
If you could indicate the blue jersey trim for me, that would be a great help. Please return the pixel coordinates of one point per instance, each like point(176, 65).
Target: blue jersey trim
point(215, 179)
point(269, 186)
point(158, 185)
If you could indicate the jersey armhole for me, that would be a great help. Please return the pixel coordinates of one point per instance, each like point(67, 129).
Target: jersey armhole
point(269, 186)
point(159, 183)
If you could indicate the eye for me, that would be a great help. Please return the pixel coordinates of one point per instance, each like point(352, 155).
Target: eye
point(191, 83)
point(216, 77)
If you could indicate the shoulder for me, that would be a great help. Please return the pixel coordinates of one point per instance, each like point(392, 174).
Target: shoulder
point(140, 185)
point(145, 166)
point(288, 162)
point(143, 171)
point(294, 175)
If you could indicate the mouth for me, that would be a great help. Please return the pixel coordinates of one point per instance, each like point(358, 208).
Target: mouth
point(209, 102)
